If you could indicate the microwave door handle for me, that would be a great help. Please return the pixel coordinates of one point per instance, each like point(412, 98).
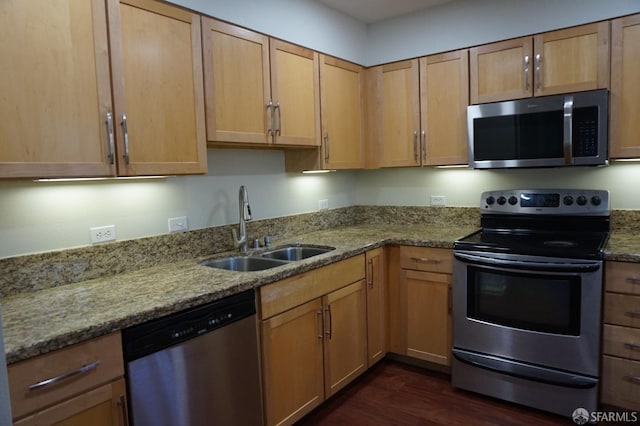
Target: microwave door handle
point(568, 130)
point(564, 266)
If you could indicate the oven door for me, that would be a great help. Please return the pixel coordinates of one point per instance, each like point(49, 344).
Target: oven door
point(532, 309)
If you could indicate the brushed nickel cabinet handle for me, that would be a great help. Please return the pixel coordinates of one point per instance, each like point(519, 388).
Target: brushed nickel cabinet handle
point(633, 346)
point(279, 128)
point(370, 278)
point(426, 260)
point(415, 146)
point(321, 320)
point(125, 132)
point(538, 65)
point(423, 145)
point(112, 150)
point(635, 314)
point(329, 332)
point(327, 147)
point(526, 73)
point(122, 404)
point(48, 382)
point(634, 379)
point(270, 118)
point(633, 280)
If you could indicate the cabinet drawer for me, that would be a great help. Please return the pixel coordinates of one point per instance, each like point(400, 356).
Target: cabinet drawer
point(291, 292)
point(106, 351)
point(622, 277)
point(622, 309)
point(622, 341)
point(621, 382)
point(426, 259)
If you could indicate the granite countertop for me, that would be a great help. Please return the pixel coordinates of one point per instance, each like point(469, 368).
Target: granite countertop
point(46, 320)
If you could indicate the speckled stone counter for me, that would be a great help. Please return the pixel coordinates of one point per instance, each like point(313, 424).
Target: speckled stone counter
point(623, 247)
point(48, 319)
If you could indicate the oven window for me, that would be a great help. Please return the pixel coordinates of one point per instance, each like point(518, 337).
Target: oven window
point(544, 303)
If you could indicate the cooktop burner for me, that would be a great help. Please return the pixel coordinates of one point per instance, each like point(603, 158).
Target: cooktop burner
point(552, 223)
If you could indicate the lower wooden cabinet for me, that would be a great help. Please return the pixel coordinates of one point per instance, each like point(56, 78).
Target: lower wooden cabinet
point(376, 305)
point(87, 387)
point(621, 336)
point(420, 325)
point(314, 337)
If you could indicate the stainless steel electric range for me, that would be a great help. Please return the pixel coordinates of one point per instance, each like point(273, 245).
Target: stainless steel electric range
point(527, 298)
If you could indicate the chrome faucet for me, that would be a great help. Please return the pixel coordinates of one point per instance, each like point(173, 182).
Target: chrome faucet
point(244, 211)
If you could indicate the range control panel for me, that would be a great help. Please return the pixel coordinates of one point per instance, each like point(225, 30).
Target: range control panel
point(546, 201)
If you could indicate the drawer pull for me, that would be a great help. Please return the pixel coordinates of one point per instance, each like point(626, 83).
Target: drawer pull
point(426, 260)
point(633, 280)
point(84, 369)
point(632, 345)
point(635, 314)
point(633, 379)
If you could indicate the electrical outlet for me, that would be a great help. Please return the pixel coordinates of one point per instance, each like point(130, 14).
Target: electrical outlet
point(438, 200)
point(178, 224)
point(101, 234)
point(323, 204)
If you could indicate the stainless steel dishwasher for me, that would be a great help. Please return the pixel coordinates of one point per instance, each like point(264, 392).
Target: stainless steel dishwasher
point(196, 367)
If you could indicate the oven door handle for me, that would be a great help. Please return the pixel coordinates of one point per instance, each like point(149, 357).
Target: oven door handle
point(561, 266)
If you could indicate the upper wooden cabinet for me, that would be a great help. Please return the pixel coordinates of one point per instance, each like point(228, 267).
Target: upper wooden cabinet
point(421, 111)
point(568, 60)
point(156, 59)
point(342, 86)
point(444, 97)
point(625, 87)
point(259, 90)
point(56, 91)
point(57, 117)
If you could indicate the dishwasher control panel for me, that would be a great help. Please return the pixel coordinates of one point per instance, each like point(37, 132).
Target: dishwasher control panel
point(143, 339)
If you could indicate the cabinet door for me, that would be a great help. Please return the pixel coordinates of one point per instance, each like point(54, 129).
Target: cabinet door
point(376, 306)
point(572, 59)
point(501, 71)
point(55, 86)
point(399, 114)
point(157, 88)
point(341, 85)
point(444, 97)
point(345, 319)
point(427, 309)
point(625, 87)
point(236, 81)
point(292, 353)
point(104, 406)
point(296, 94)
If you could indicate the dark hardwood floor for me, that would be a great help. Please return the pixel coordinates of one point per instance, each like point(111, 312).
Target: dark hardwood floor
point(392, 393)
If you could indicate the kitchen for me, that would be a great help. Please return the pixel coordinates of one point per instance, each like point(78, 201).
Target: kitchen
point(42, 216)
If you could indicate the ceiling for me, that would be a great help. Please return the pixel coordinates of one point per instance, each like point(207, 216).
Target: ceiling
point(370, 11)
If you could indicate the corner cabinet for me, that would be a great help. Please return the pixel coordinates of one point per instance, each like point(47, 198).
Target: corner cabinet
point(259, 90)
point(342, 86)
point(90, 389)
point(625, 87)
point(568, 60)
point(58, 118)
point(314, 337)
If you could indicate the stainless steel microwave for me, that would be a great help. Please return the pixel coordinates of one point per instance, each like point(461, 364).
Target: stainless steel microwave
point(549, 131)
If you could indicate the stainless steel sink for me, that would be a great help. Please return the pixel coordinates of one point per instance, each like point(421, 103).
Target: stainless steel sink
point(243, 263)
point(296, 252)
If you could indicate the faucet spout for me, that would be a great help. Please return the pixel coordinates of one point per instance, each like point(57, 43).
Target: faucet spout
point(244, 215)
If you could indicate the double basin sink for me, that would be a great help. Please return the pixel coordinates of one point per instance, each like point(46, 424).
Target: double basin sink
point(269, 259)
